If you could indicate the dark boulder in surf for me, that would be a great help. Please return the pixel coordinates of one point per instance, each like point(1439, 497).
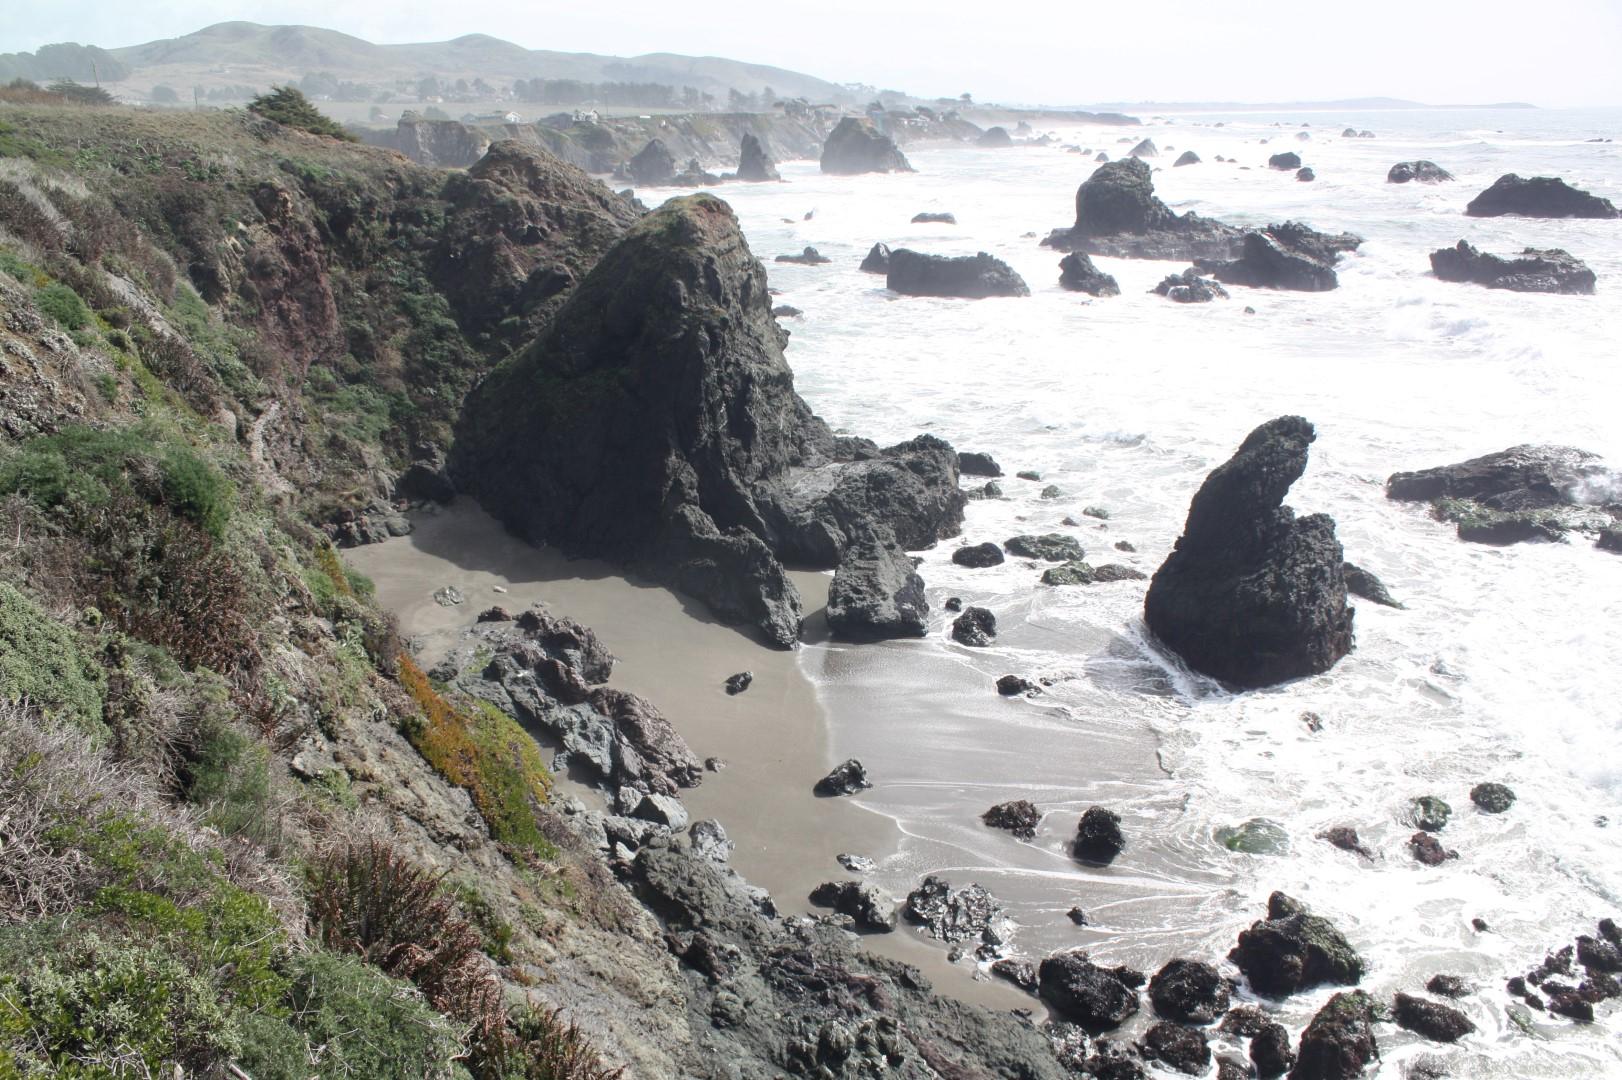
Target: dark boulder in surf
point(1189, 288)
point(877, 260)
point(1081, 991)
point(1189, 992)
point(1431, 1019)
point(972, 277)
point(1293, 949)
point(1251, 594)
point(1078, 274)
point(1285, 162)
point(855, 146)
point(1099, 838)
point(976, 627)
point(1423, 172)
point(1339, 1043)
point(1533, 270)
point(1539, 196)
point(1117, 214)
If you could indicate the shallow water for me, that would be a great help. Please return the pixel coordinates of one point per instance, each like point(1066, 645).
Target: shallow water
point(1504, 666)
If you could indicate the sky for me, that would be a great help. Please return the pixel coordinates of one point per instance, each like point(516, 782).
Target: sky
point(1553, 53)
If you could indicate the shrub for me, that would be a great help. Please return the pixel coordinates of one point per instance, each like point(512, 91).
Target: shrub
point(64, 306)
point(286, 105)
point(353, 1020)
point(485, 752)
point(548, 1047)
point(41, 661)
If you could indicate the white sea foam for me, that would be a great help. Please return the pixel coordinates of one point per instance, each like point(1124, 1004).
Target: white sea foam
point(1507, 663)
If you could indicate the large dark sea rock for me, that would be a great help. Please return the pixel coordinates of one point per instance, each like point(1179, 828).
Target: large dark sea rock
point(973, 277)
point(1117, 214)
point(876, 592)
point(655, 422)
point(653, 164)
point(877, 260)
point(1539, 196)
point(1251, 594)
point(995, 138)
point(1523, 493)
point(855, 146)
point(1084, 993)
point(1293, 949)
point(1551, 271)
point(1189, 992)
point(753, 161)
point(1288, 256)
point(1425, 172)
point(1339, 1043)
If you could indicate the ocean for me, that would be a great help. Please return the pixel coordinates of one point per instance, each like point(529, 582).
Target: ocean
point(1505, 665)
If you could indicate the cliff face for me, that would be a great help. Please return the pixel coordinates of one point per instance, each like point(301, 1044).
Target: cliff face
point(656, 420)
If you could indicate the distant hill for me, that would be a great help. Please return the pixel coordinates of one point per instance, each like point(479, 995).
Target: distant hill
point(235, 54)
point(1359, 104)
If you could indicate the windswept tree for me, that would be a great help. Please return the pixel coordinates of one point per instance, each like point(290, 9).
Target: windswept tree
point(286, 105)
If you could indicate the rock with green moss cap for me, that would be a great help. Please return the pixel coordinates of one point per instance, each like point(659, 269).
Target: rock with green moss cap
point(1293, 950)
point(1339, 1043)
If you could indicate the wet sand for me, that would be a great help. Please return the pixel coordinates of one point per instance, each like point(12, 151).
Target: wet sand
point(773, 737)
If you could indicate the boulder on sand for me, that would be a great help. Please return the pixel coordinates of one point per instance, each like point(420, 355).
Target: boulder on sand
point(1293, 950)
point(1020, 817)
point(753, 161)
point(846, 778)
point(1078, 274)
point(855, 146)
point(973, 277)
point(1251, 594)
point(653, 164)
point(1118, 215)
point(1539, 196)
point(976, 627)
point(654, 421)
point(876, 592)
point(1098, 836)
point(1424, 172)
point(1551, 271)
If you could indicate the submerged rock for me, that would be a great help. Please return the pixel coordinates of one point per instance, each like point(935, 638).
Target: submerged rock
point(877, 260)
point(972, 277)
point(1251, 594)
point(1098, 836)
point(1189, 288)
point(1294, 950)
point(1363, 583)
point(855, 146)
point(1437, 1022)
point(1425, 172)
point(976, 627)
point(1078, 274)
point(1189, 992)
point(1550, 271)
point(1020, 817)
point(1258, 836)
point(1539, 196)
point(877, 593)
point(1051, 547)
point(1117, 214)
point(1081, 991)
point(1339, 1042)
point(847, 778)
point(809, 257)
point(1492, 797)
point(753, 161)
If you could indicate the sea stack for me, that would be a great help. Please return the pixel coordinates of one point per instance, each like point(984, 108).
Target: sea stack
point(1118, 215)
point(855, 146)
point(655, 422)
point(1252, 595)
point(753, 161)
point(653, 164)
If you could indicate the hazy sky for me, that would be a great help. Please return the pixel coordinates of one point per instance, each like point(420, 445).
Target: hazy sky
point(1552, 52)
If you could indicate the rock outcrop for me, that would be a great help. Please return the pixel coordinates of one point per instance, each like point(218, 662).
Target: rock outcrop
point(855, 146)
point(973, 277)
point(1293, 949)
point(876, 592)
point(1550, 271)
point(1118, 215)
point(952, 915)
point(653, 164)
point(1251, 594)
point(1098, 837)
point(867, 907)
point(754, 163)
point(1539, 196)
point(995, 138)
point(655, 422)
point(1078, 274)
point(1424, 172)
point(1524, 493)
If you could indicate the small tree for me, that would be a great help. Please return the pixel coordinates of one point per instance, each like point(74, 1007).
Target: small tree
point(286, 105)
point(79, 93)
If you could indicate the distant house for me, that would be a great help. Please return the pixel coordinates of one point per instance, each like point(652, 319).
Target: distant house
point(511, 118)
